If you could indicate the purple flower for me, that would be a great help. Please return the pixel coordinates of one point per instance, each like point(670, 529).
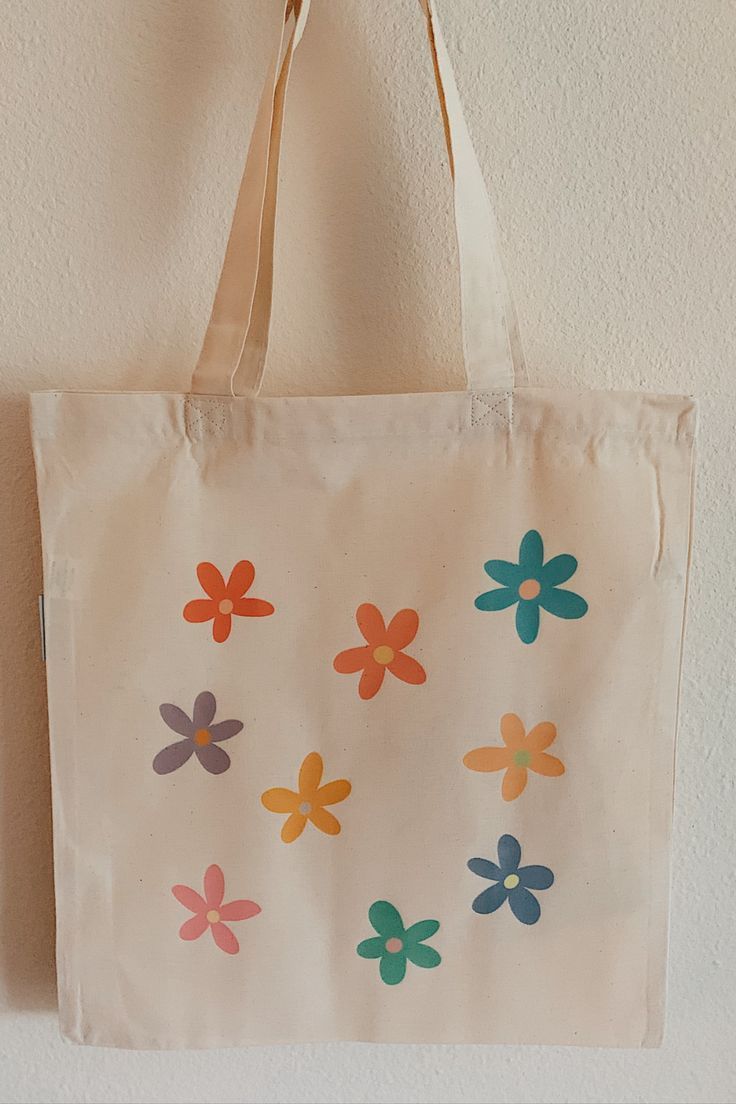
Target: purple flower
point(201, 737)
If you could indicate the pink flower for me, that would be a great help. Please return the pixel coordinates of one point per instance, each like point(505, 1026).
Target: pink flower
point(209, 911)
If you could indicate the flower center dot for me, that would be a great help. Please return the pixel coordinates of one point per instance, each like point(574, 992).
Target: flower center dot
point(202, 737)
point(522, 758)
point(225, 606)
point(394, 945)
point(384, 655)
point(511, 881)
point(213, 917)
point(530, 589)
point(305, 808)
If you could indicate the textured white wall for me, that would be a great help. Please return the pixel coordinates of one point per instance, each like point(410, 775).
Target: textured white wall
point(607, 132)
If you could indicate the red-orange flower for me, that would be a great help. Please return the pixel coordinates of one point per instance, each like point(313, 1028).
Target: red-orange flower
point(225, 600)
point(524, 751)
point(383, 652)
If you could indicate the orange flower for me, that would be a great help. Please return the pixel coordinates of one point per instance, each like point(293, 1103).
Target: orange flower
point(383, 651)
point(225, 599)
point(523, 752)
point(308, 803)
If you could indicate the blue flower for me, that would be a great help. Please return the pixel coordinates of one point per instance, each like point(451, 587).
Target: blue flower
point(512, 882)
point(532, 584)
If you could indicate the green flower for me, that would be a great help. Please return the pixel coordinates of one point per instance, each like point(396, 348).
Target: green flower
point(394, 943)
point(533, 584)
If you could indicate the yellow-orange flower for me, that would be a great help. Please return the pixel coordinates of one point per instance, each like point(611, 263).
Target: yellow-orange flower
point(523, 752)
point(308, 802)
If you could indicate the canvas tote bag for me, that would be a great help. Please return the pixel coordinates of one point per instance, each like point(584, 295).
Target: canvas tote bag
point(362, 708)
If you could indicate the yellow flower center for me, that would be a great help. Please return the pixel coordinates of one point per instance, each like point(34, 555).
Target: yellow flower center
point(511, 881)
point(202, 737)
point(530, 589)
point(213, 917)
point(384, 655)
point(394, 945)
point(305, 808)
point(225, 606)
point(522, 758)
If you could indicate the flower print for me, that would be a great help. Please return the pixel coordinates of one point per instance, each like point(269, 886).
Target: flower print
point(201, 737)
point(522, 753)
point(395, 944)
point(513, 882)
point(308, 802)
point(532, 585)
point(209, 911)
point(383, 652)
point(225, 600)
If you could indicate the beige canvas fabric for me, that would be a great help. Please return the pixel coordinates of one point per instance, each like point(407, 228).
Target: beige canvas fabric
point(362, 709)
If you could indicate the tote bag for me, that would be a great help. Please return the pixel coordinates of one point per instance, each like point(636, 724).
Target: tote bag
point(362, 708)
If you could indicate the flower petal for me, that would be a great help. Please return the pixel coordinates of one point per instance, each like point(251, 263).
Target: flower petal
point(402, 629)
point(241, 577)
point(199, 610)
point(509, 854)
point(541, 736)
point(527, 621)
point(536, 877)
point(213, 758)
point(422, 930)
point(325, 821)
point(221, 627)
point(371, 680)
point(293, 827)
point(189, 898)
point(499, 599)
point(422, 955)
point(225, 939)
point(547, 765)
point(407, 669)
point(563, 603)
point(204, 709)
point(371, 624)
point(514, 783)
point(558, 570)
point(393, 968)
point(225, 730)
point(386, 919)
point(176, 719)
point(193, 927)
point(371, 948)
point(524, 905)
point(501, 571)
point(172, 757)
point(211, 581)
point(352, 660)
point(214, 886)
point(531, 553)
point(484, 868)
point(490, 899)
point(487, 759)
point(280, 800)
point(512, 731)
point(253, 607)
point(333, 792)
point(310, 774)
point(239, 910)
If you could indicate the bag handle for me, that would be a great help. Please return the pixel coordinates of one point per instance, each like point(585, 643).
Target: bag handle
point(236, 340)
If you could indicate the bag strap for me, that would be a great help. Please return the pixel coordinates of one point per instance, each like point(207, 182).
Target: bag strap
point(236, 340)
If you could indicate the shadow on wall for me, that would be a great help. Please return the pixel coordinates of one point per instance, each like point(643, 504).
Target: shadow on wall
point(27, 916)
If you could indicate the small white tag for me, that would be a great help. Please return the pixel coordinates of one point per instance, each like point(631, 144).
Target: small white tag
point(42, 624)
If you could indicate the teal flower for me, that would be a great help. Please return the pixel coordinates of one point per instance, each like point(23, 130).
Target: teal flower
point(533, 584)
point(394, 943)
